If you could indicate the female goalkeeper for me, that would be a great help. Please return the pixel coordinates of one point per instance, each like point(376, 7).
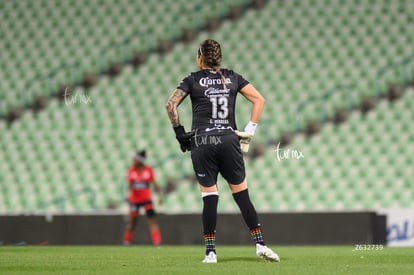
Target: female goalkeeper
point(215, 144)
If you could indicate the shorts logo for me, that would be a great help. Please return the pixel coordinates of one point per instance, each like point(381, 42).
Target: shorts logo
point(201, 175)
point(205, 81)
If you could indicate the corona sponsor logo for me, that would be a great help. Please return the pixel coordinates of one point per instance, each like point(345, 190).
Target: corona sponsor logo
point(205, 81)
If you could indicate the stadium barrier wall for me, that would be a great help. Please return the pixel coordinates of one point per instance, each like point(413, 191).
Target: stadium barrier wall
point(331, 228)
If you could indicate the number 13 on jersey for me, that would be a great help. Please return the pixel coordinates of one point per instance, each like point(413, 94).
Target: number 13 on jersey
point(219, 107)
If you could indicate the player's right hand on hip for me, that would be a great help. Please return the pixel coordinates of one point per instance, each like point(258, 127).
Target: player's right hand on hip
point(183, 138)
point(245, 139)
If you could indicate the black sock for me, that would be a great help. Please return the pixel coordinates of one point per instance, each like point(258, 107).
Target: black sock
point(209, 222)
point(249, 215)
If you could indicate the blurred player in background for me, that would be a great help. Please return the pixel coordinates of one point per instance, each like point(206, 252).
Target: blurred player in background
point(140, 177)
point(215, 144)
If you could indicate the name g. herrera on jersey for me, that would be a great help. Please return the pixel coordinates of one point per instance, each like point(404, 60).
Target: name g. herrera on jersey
point(205, 81)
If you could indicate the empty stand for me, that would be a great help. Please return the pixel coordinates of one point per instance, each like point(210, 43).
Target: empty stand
point(74, 155)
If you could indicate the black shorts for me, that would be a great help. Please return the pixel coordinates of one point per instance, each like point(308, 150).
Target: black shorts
point(134, 209)
point(212, 154)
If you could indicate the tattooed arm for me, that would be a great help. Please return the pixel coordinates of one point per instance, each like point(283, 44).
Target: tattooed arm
point(175, 100)
point(183, 138)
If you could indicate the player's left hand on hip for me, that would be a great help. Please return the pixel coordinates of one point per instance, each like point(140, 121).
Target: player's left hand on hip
point(245, 139)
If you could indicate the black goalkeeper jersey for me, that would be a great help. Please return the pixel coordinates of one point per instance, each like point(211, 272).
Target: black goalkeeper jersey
point(213, 106)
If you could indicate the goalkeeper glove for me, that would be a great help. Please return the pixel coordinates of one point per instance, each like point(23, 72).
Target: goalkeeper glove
point(245, 139)
point(246, 136)
point(183, 138)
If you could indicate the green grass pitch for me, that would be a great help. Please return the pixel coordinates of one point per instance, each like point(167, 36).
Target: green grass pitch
point(187, 260)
